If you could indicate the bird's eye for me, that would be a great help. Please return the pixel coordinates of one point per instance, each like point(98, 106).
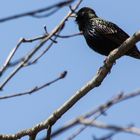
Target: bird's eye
point(83, 13)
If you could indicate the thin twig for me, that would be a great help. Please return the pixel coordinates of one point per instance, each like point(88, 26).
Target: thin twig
point(36, 88)
point(68, 36)
point(10, 56)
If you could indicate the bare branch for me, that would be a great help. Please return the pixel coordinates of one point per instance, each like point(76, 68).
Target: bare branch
point(68, 36)
point(99, 124)
point(36, 88)
point(98, 110)
point(26, 59)
point(10, 57)
point(34, 12)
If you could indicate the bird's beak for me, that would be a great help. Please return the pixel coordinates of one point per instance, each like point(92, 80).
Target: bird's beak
point(74, 15)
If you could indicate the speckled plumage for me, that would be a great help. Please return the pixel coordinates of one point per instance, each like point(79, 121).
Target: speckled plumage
point(102, 36)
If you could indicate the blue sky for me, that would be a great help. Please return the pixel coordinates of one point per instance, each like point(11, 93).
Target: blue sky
point(72, 55)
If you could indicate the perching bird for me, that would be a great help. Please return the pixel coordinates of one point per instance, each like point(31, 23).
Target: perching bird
point(102, 36)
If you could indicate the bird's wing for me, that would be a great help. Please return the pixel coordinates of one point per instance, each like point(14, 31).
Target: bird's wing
point(109, 30)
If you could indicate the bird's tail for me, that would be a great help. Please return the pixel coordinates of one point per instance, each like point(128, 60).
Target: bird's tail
point(134, 52)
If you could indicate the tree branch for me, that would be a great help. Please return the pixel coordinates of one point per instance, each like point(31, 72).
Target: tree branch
point(99, 124)
point(6, 64)
point(26, 59)
point(34, 12)
point(36, 88)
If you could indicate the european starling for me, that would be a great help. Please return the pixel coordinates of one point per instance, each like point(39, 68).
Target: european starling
point(102, 36)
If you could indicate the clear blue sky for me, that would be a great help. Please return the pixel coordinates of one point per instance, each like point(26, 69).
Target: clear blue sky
point(74, 56)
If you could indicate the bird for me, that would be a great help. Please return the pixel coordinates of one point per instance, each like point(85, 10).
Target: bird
point(101, 35)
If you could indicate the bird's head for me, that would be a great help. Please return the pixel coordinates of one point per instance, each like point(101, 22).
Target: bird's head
point(85, 14)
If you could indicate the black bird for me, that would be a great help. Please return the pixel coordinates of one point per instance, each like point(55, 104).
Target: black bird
point(102, 36)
